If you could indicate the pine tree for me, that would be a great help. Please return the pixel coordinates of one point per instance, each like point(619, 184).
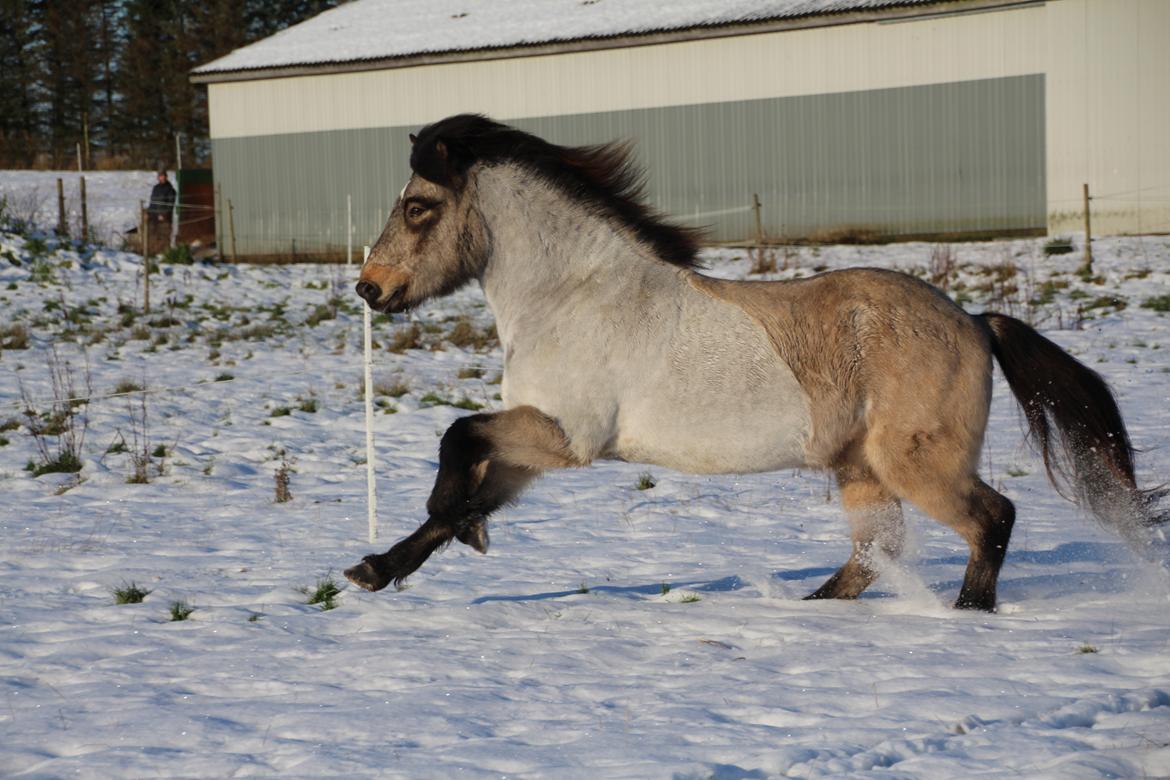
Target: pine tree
point(20, 115)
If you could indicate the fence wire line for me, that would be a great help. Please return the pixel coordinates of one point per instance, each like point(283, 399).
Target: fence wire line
point(702, 214)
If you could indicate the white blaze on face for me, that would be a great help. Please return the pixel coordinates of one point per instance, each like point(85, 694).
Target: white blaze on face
point(402, 191)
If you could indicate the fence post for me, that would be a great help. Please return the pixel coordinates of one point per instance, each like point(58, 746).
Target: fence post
point(759, 228)
point(759, 222)
point(62, 225)
point(84, 214)
point(1087, 268)
point(368, 358)
point(232, 227)
point(144, 222)
point(218, 205)
point(349, 230)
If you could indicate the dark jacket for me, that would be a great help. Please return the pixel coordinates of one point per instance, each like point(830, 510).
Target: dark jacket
point(162, 201)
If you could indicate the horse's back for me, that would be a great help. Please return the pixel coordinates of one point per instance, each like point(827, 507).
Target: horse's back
point(873, 348)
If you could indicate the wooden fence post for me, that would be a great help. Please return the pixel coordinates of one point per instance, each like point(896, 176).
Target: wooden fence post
point(218, 208)
point(144, 221)
point(1087, 268)
point(84, 213)
point(232, 227)
point(62, 225)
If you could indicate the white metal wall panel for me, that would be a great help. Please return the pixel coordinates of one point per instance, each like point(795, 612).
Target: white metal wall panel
point(847, 58)
point(1106, 63)
point(1109, 114)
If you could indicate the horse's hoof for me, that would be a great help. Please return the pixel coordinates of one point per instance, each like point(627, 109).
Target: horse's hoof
point(982, 604)
point(364, 575)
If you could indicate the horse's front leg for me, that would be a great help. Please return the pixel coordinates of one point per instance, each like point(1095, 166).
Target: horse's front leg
point(485, 461)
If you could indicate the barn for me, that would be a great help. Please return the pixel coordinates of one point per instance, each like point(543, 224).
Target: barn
point(894, 118)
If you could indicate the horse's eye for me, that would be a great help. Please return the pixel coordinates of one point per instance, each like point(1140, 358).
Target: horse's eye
point(415, 211)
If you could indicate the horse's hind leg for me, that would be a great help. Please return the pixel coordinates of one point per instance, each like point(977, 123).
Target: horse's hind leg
point(982, 516)
point(485, 461)
point(876, 525)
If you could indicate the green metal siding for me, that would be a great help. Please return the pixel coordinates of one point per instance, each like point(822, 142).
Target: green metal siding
point(947, 158)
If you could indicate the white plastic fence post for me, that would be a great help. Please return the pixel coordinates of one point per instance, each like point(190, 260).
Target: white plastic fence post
point(371, 494)
point(349, 230)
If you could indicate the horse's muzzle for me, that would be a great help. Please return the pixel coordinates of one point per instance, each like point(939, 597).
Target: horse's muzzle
point(371, 293)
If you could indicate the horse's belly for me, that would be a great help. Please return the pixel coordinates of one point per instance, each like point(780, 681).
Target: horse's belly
point(768, 440)
point(715, 422)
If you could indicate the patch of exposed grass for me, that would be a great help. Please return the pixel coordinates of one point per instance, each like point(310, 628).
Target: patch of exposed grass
point(129, 593)
point(324, 593)
point(180, 610)
point(645, 481)
point(690, 598)
point(395, 389)
point(464, 334)
point(1107, 302)
point(14, 336)
point(282, 481)
point(64, 463)
point(321, 313)
point(470, 373)
point(406, 338)
point(1059, 245)
point(1159, 303)
point(281, 411)
point(127, 386)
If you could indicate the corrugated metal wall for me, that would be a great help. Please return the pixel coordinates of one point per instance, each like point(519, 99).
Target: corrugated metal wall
point(958, 158)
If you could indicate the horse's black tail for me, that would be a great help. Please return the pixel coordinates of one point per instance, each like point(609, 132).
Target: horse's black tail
point(1074, 421)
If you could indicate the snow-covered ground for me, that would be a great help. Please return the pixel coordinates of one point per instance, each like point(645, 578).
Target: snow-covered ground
point(611, 632)
point(111, 199)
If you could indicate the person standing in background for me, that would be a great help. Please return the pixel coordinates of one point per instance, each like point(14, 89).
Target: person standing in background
point(162, 202)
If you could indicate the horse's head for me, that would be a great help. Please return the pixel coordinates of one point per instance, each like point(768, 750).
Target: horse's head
point(435, 240)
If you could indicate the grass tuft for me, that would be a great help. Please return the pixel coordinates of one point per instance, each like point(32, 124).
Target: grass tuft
point(130, 594)
point(645, 481)
point(180, 610)
point(325, 593)
point(1159, 303)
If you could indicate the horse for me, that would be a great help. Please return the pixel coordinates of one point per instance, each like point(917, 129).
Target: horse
point(617, 347)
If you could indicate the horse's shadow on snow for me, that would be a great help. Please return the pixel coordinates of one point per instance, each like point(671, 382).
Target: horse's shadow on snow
point(630, 591)
point(1110, 579)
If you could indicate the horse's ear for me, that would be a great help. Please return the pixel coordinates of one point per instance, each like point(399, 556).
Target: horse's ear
point(413, 139)
point(442, 160)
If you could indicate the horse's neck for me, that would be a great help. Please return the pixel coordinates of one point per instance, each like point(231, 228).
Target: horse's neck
point(551, 256)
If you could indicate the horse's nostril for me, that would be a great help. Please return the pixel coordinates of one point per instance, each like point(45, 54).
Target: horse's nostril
point(368, 291)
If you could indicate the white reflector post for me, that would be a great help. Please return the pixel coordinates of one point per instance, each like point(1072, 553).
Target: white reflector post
point(371, 493)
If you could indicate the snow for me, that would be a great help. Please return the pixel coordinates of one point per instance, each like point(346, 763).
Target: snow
point(111, 199)
point(381, 29)
point(610, 632)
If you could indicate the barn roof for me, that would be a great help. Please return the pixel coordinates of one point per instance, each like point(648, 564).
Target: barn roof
point(369, 31)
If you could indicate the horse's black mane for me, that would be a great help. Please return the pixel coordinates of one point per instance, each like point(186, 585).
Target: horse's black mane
point(604, 175)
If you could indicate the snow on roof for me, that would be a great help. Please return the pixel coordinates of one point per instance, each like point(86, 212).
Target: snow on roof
point(384, 29)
